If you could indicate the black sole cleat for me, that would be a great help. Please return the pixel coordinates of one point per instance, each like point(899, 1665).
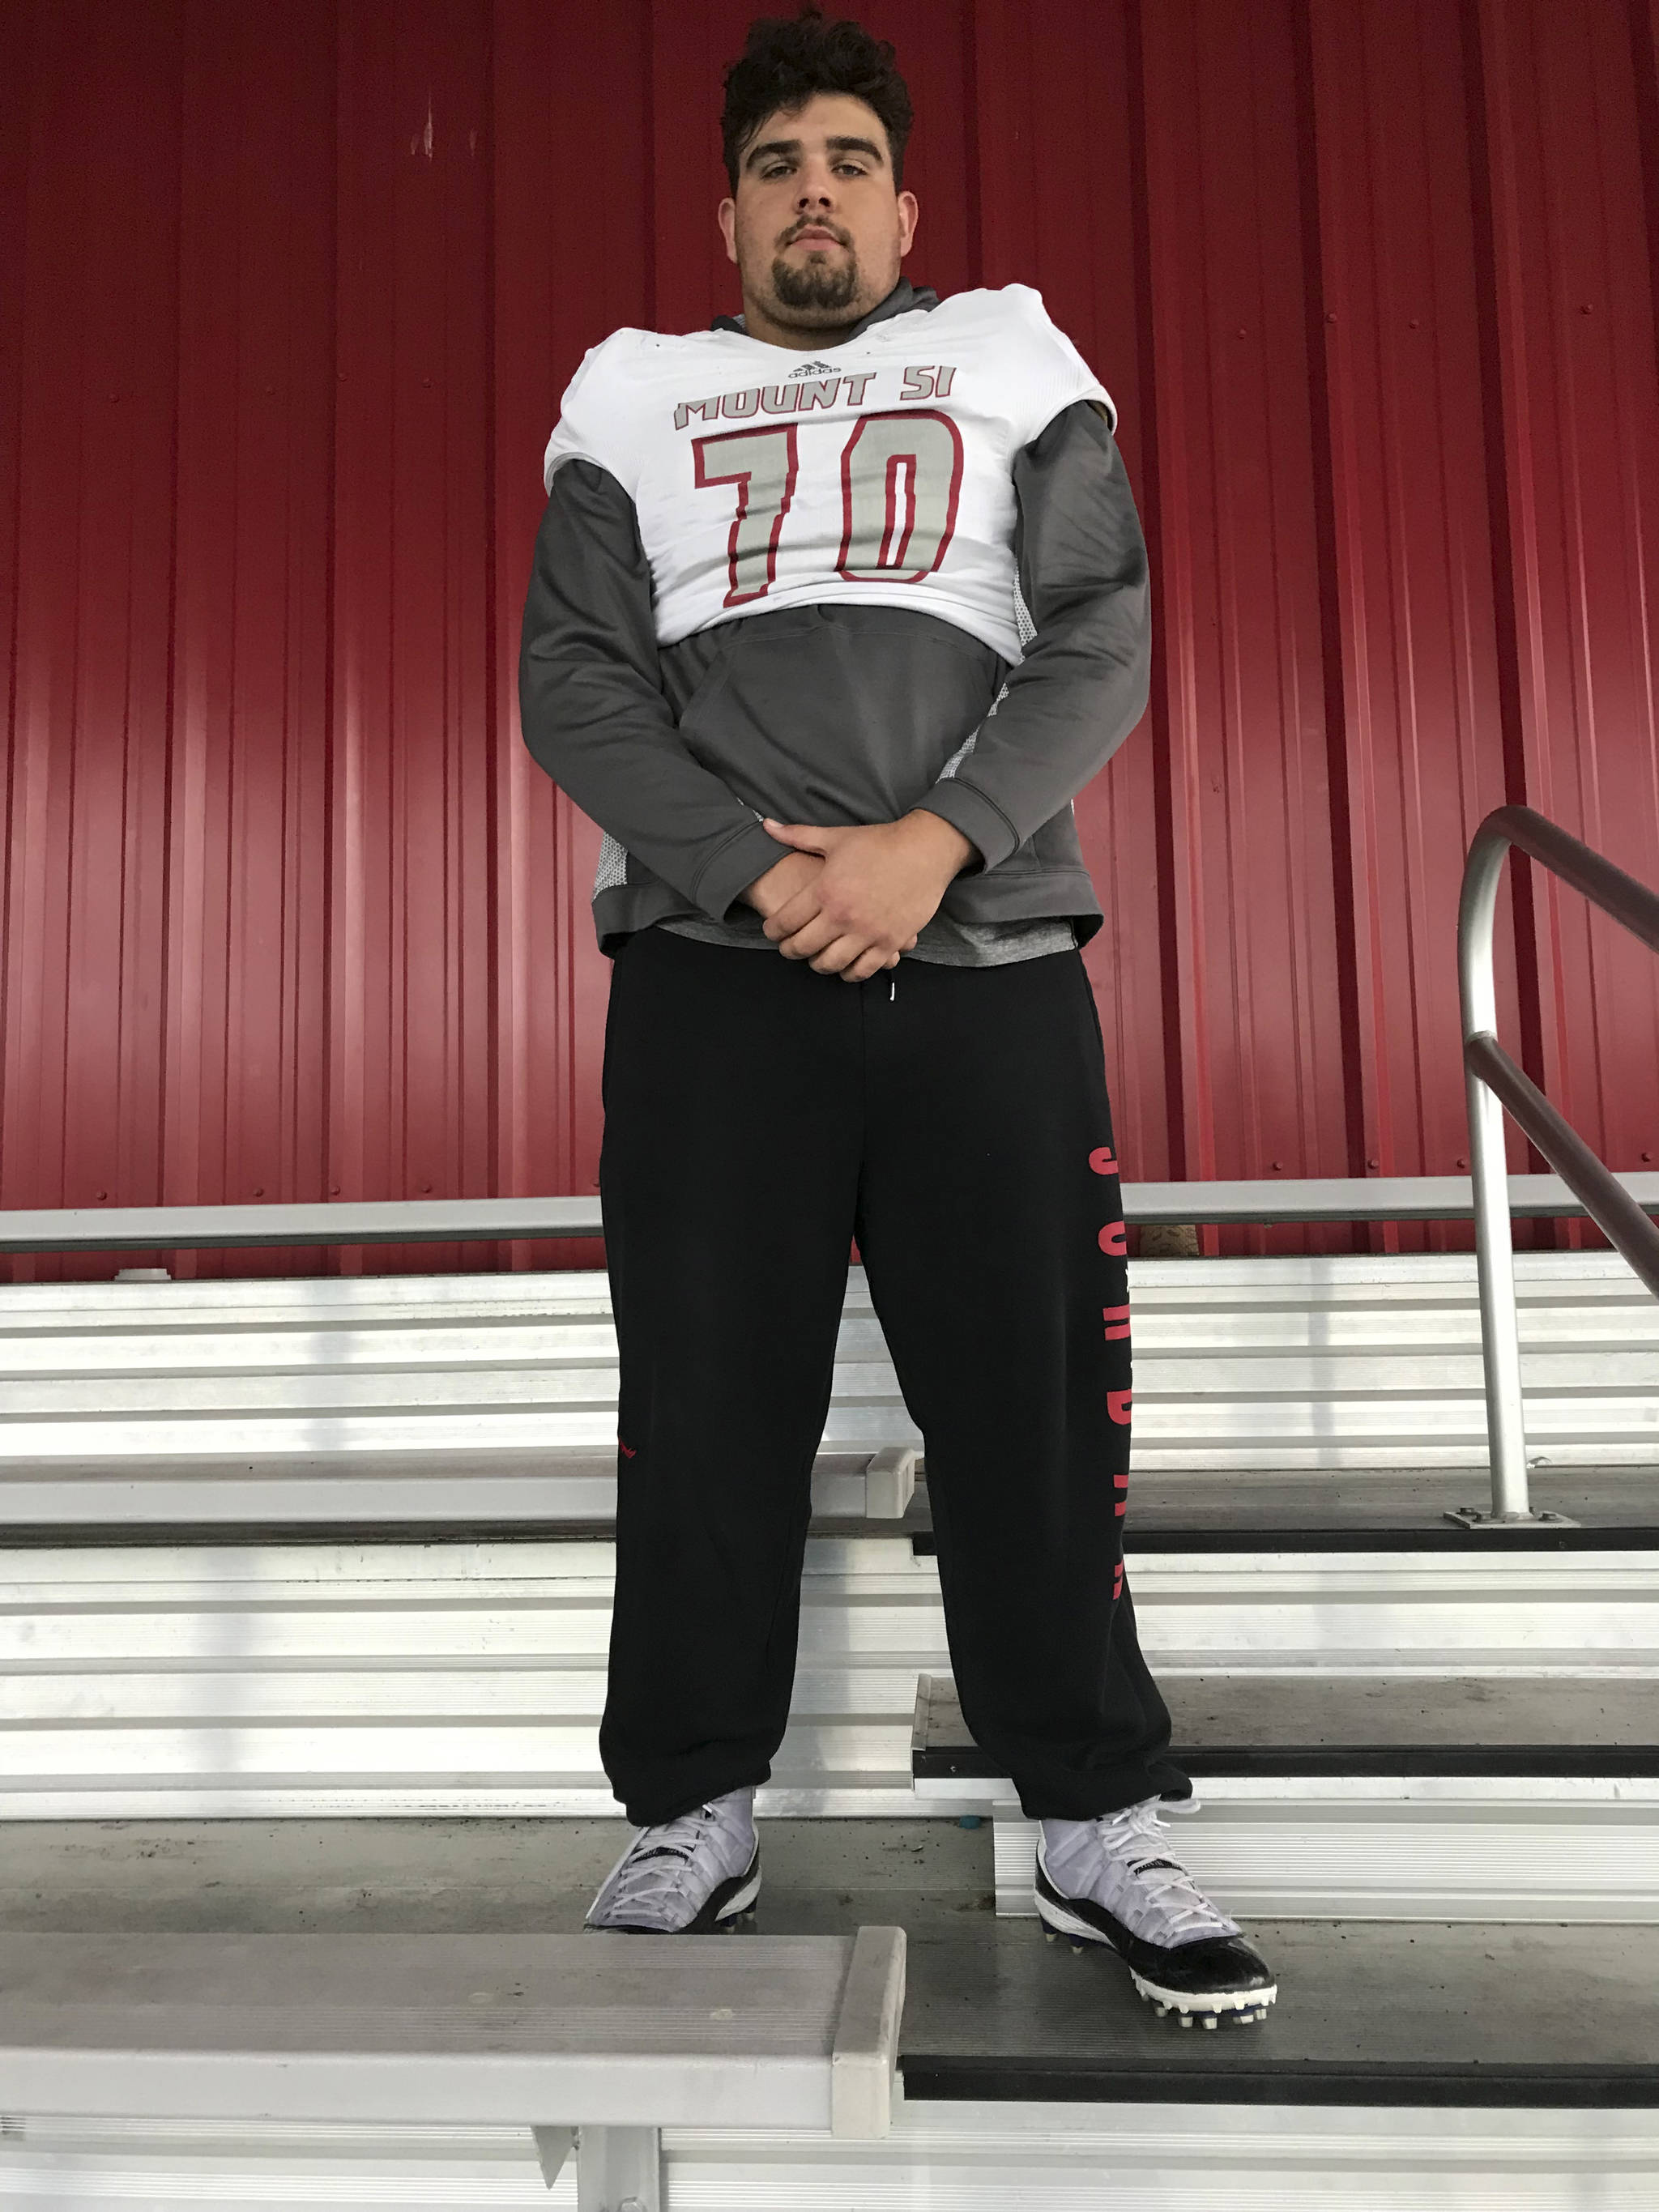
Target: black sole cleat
point(1242, 2006)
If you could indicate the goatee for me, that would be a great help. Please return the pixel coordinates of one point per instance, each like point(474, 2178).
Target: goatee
point(816, 285)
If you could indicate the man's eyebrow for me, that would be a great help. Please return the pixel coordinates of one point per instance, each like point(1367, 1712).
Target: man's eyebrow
point(791, 147)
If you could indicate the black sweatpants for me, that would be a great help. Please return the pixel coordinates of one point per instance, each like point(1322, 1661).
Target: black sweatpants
point(758, 1115)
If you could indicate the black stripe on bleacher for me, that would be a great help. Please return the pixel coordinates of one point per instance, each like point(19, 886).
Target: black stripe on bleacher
point(1291, 2081)
point(66, 1535)
point(1305, 1762)
point(1434, 1537)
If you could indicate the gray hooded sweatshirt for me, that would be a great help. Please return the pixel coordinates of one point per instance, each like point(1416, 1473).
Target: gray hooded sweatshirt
point(842, 714)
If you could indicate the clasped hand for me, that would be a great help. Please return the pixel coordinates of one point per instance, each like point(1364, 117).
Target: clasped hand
point(875, 887)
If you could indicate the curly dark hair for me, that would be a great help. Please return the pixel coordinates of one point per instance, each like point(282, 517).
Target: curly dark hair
point(785, 62)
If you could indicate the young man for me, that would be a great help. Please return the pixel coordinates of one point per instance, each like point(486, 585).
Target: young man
point(835, 607)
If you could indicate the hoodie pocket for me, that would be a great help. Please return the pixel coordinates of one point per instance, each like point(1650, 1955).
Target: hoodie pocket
point(843, 714)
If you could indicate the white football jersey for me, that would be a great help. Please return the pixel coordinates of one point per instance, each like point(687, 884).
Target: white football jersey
point(877, 473)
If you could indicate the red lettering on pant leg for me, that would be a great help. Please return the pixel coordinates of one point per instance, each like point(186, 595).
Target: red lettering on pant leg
point(1117, 1582)
point(1116, 1319)
point(1117, 1405)
point(1113, 1240)
point(1121, 1482)
point(1103, 1160)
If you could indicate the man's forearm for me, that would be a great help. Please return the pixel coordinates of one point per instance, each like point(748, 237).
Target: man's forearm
point(592, 709)
point(940, 850)
point(1083, 683)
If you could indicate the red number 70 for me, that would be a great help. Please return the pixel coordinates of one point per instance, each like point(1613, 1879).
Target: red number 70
point(901, 477)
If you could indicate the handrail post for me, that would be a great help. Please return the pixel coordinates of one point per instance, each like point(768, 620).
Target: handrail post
point(1500, 1336)
point(1493, 1083)
point(1494, 1247)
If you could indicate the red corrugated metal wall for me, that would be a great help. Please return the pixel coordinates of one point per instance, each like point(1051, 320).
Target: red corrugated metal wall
point(286, 301)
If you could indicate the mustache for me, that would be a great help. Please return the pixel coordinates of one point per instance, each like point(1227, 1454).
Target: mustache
point(814, 223)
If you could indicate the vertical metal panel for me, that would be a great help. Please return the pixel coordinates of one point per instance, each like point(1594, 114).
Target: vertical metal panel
point(573, 254)
point(285, 311)
point(691, 276)
point(86, 792)
point(16, 69)
point(410, 987)
point(243, 1110)
point(1413, 680)
point(1059, 208)
point(1578, 447)
point(1240, 688)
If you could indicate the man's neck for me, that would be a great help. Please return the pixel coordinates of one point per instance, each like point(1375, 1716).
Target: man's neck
point(758, 323)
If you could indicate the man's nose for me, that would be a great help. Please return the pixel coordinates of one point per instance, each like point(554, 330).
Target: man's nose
point(815, 192)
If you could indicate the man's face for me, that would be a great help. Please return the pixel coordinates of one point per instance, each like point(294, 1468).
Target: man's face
point(817, 228)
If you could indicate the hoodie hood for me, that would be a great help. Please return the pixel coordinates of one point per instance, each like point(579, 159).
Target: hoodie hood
point(900, 301)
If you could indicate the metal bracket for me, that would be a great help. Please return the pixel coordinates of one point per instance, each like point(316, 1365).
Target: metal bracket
point(1479, 1522)
point(619, 2170)
point(553, 2147)
point(889, 1482)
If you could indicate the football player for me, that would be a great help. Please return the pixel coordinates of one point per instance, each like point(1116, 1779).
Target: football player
point(835, 608)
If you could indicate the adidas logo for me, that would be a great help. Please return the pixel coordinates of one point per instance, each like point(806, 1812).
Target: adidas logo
point(813, 368)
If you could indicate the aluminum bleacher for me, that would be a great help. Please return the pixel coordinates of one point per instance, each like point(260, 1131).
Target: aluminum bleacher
point(370, 1399)
point(393, 1597)
point(595, 2043)
point(281, 1550)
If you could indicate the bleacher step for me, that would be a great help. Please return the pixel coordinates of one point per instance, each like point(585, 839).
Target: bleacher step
point(589, 2030)
point(1471, 2015)
point(431, 1677)
point(1415, 1798)
point(1362, 1726)
point(355, 1399)
point(1361, 1509)
point(1490, 2069)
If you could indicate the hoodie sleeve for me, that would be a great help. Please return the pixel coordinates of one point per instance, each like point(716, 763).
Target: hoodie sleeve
point(1083, 683)
point(592, 708)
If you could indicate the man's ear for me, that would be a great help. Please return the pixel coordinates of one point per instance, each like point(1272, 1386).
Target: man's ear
point(727, 214)
point(908, 213)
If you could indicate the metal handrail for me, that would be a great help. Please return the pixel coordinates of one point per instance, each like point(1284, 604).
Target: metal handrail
point(1493, 1081)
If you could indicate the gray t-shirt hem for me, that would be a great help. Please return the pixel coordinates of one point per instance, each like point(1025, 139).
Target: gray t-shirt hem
point(946, 943)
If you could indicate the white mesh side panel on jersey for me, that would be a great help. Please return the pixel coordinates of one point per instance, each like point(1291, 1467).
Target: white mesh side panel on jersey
point(613, 870)
point(1027, 630)
point(1023, 622)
